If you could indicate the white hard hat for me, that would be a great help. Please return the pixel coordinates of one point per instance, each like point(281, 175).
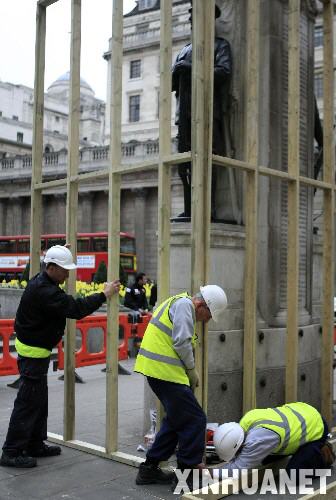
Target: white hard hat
point(61, 256)
point(227, 440)
point(215, 299)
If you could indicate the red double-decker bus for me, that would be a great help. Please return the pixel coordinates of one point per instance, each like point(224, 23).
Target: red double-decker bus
point(91, 250)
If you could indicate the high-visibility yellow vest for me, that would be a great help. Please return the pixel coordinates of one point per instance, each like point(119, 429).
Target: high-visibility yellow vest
point(157, 357)
point(29, 351)
point(295, 423)
point(148, 289)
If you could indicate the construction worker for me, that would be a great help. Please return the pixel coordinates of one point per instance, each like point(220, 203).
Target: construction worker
point(39, 326)
point(135, 297)
point(166, 358)
point(296, 429)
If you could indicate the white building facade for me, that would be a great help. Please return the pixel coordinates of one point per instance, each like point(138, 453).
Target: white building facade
point(16, 117)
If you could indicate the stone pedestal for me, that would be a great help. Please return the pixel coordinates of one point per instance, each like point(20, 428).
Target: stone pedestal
point(226, 338)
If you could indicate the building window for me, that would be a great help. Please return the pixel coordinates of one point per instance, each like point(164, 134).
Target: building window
point(19, 137)
point(318, 86)
point(16, 118)
point(142, 27)
point(135, 69)
point(57, 118)
point(134, 108)
point(318, 36)
point(146, 4)
point(0, 113)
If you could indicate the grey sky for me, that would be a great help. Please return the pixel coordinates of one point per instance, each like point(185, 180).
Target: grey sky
point(17, 41)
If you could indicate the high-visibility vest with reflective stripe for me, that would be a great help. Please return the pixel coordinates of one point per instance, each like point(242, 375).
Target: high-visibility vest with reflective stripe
point(29, 351)
point(157, 357)
point(295, 423)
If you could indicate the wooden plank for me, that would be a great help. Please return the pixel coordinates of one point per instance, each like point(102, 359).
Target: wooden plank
point(329, 216)
point(98, 451)
point(71, 214)
point(227, 487)
point(164, 169)
point(293, 200)
point(251, 209)
point(46, 3)
point(112, 337)
point(164, 177)
point(37, 147)
point(330, 493)
point(201, 151)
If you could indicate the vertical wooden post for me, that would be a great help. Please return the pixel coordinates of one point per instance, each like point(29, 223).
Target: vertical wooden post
point(164, 177)
point(293, 200)
point(37, 150)
point(114, 228)
point(71, 214)
point(164, 170)
point(329, 216)
point(252, 144)
point(203, 33)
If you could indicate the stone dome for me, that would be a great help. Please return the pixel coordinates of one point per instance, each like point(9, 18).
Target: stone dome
point(61, 86)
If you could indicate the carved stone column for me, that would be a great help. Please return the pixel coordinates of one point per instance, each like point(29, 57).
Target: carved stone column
point(139, 227)
point(3, 205)
point(14, 216)
point(85, 212)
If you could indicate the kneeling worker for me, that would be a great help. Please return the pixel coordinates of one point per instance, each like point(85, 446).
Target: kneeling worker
point(39, 326)
point(295, 429)
point(166, 358)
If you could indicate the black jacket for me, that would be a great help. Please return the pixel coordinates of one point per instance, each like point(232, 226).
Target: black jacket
point(181, 84)
point(135, 298)
point(43, 309)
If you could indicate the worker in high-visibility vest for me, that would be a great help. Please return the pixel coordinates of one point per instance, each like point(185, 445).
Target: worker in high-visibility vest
point(166, 358)
point(39, 326)
point(295, 429)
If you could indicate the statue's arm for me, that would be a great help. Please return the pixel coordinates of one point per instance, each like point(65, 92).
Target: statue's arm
point(223, 62)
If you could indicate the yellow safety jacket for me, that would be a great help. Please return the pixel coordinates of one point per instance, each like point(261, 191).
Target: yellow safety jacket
point(157, 357)
point(295, 423)
point(29, 351)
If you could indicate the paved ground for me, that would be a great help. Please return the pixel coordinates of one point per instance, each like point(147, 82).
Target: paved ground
point(76, 475)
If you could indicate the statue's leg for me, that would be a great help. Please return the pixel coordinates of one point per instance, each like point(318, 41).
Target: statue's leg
point(184, 171)
point(213, 193)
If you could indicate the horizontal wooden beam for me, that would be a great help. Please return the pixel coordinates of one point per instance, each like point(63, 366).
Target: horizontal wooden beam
point(93, 449)
point(315, 183)
point(46, 3)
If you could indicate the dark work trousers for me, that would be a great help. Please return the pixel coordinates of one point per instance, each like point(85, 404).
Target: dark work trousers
point(28, 422)
point(184, 424)
point(309, 455)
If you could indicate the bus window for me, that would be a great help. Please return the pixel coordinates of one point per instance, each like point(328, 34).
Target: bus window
point(99, 244)
point(127, 245)
point(7, 246)
point(83, 244)
point(55, 241)
point(23, 246)
point(126, 262)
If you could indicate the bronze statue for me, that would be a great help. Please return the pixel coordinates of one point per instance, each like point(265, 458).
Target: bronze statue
point(181, 85)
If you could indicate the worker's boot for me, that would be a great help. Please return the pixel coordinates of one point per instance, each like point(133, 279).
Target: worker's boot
point(45, 451)
point(18, 460)
point(150, 473)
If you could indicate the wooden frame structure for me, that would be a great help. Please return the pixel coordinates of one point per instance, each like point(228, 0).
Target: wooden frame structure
point(202, 159)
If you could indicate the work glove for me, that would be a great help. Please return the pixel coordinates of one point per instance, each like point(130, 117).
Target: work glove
point(328, 454)
point(193, 378)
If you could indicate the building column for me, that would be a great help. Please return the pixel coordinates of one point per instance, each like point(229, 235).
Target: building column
point(3, 204)
point(60, 215)
point(139, 228)
point(85, 212)
point(14, 216)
